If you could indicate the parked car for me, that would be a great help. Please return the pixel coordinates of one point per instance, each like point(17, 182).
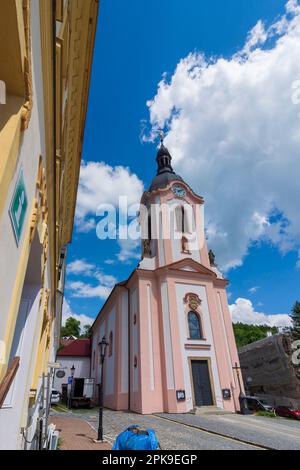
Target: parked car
point(258, 404)
point(55, 397)
point(287, 412)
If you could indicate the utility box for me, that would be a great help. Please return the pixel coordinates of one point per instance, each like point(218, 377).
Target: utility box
point(88, 388)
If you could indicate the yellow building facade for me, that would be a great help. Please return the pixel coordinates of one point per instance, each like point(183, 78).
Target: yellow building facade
point(46, 50)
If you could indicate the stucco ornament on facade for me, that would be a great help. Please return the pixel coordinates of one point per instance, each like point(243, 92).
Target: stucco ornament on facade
point(192, 300)
point(27, 106)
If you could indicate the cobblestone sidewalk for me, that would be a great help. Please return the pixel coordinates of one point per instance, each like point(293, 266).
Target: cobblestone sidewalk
point(77, 434)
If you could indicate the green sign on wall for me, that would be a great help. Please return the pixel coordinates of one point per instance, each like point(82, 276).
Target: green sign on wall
point(18, 207)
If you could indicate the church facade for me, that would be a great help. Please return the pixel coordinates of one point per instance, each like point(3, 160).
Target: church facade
point(171, 342)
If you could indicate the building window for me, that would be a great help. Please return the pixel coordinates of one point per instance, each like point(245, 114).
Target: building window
point(111, 345)
point(195, 330)
point(183, 218)
point(179, 216)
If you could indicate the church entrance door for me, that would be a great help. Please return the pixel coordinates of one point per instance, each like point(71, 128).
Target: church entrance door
point(201, 382)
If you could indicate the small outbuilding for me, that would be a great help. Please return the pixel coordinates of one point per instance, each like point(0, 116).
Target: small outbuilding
point(75, 354)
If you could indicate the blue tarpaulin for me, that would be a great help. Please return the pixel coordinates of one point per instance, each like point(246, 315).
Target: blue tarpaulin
point(136, 438)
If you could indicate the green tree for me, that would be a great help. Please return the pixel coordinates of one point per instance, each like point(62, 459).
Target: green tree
point(71, 328)
point(86, 331)
point(246, 334)
point(295, 317)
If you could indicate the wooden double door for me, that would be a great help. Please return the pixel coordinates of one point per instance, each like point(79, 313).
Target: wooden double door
point(201, 383)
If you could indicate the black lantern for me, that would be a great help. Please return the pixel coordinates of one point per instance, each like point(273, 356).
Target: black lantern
point(102, 351)
point(72, 370)
point(102, 348)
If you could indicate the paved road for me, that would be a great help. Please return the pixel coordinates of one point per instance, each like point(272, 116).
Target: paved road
point(172, 435)
point(274, 433)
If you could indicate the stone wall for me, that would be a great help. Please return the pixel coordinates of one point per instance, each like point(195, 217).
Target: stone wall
point(274, 377)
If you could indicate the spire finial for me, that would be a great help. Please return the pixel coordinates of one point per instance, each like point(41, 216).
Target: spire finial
point(161, 135)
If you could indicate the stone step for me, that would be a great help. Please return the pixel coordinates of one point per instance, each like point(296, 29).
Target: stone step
point(210, 410)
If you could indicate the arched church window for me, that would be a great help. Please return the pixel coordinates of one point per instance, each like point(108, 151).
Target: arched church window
point(149, 227)
point(179, 218)
point(182, 219)
point(111, 344)
point(195, 329)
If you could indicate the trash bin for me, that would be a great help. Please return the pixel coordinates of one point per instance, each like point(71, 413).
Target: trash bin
point(136, 438)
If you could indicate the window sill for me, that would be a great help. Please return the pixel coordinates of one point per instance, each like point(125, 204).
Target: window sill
point(194, 346)
point(196, 339)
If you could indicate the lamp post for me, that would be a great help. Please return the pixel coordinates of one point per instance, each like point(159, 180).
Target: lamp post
point(71, 390)
point(102, 351)
point(249, 381)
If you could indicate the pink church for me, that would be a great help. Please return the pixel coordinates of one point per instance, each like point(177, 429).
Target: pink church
point(171, 342)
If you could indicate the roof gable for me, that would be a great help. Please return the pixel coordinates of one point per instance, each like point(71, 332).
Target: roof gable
point(188, 264)
point(78, 347)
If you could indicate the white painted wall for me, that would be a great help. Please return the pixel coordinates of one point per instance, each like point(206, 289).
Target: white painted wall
point(150, 336)
point(110, 360)
point(167, 336)
point(11, 411)
point(181, 291)
point(32, 146)
point(82, 369)
point(124, 343)
point(134, 339)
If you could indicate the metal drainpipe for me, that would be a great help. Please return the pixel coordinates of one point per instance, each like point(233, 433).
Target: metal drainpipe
point(129, 348)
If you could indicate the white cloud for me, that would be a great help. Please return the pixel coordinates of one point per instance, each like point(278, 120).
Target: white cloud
point(109, 261)
point(234, 120)
point(257, 35)
point(243, 311)
point(253, 289)
point(78, 288)
point(129, 249)
point(102, 184)
point(85, 225)
point(80, 266)
point(68, 312)
point(81, 289)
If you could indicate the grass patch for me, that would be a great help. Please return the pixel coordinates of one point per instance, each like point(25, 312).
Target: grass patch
point(60, 407)
point(59, 443)
point(84, 410)
point(267, 414)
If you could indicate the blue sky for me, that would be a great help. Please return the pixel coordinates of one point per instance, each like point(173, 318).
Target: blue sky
point(137, 42)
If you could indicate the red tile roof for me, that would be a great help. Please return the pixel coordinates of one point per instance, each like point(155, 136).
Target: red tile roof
point(78, 347)
point(66, 342)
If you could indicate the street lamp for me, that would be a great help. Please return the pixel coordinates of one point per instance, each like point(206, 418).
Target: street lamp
point(102, 351)
point(71, 390)
point(249, 381)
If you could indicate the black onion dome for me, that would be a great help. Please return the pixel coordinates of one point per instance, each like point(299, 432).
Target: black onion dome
point(165, 173)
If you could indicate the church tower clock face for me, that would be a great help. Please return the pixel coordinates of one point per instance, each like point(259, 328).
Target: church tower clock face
point(179, 191)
